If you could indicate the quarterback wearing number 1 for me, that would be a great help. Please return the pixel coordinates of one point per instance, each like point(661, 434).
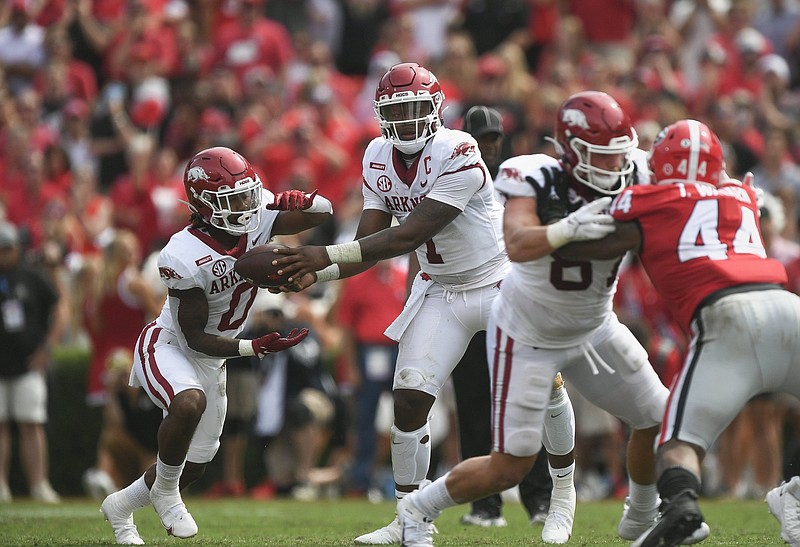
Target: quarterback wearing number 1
point(432, 180)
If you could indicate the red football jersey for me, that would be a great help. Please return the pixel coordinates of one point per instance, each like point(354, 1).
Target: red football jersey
point(698, 239)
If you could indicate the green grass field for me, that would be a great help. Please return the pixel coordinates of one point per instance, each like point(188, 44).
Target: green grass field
point(290, 523)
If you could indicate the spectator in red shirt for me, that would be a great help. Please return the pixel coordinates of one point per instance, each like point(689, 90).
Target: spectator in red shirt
point(81, 81)
point(251, 40)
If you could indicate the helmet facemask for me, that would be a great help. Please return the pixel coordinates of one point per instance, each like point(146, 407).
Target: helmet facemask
point(409, 121)
point(604, 181)
point(235, 210)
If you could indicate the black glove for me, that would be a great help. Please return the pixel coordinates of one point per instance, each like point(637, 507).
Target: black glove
point(552, 203)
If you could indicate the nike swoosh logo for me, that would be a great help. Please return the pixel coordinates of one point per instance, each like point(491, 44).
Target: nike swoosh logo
point(423, 184)
point(562, 476)
point(556, 415)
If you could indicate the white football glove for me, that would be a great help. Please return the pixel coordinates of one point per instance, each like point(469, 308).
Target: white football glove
point(586, 223)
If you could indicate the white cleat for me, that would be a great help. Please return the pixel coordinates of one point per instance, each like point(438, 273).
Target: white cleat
point(177, 521)
point(388, 535)
point(417, 528)
point(784, 505)
point(558, 524)
point(557, 528)
point(125, 531)
point(635, 523)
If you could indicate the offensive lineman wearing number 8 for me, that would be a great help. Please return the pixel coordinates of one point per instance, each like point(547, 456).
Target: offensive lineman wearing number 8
point(179, 357)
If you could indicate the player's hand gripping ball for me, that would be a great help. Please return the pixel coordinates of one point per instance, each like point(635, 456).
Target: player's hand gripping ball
point(256, 267)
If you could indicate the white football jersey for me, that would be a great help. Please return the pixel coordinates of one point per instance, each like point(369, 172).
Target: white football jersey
point(192, 258)
point(552, 302)
point(449, 169)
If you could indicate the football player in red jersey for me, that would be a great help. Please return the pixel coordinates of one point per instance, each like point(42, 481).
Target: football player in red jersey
point(697, 234)
point(179, 357)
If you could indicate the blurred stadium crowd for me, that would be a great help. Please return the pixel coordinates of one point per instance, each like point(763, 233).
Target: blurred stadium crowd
point(102, 102)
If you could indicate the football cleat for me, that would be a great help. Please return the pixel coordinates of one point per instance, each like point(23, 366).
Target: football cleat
point(558, 523)
point(388, 535)
point(635, 523)
point(679, 523)
point(121, 522)
point(417, 528)
point(784, 505)
point(177, 521)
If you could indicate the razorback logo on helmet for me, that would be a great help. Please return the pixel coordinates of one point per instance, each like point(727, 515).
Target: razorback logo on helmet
point(463, 149)
point(574, 118)
point(168, 273)
point(511, 173)
point(196, 173)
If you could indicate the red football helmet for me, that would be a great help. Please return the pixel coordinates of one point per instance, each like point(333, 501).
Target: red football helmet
point(689, 151)
point(592, 128)
point(224, 189)
point(408, 103)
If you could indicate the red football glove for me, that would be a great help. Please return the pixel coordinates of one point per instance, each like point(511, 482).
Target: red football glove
point(292, 200)
point(272, 342)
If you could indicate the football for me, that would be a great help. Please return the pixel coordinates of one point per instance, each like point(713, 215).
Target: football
point(256, 266)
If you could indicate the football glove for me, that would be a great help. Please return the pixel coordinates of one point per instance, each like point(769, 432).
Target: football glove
point(586, 223)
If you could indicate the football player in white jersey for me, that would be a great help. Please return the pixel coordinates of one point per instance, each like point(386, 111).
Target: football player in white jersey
point(433, 181)
point(555, 314)
point(179, 357)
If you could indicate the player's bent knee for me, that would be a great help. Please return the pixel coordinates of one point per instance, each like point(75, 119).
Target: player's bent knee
point(508, 471)
point(189, 404)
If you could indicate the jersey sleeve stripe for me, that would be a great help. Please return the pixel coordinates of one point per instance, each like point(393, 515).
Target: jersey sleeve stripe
point(466, 168)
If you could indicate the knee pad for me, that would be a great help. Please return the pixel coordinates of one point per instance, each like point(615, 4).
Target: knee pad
point(410, 378)
point(559, 423)
point(411, 455)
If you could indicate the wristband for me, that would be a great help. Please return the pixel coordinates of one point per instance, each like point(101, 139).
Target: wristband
point(246, 348)
point(320, 205)
point(344, 253)
point(556, 234)
point(329, 273)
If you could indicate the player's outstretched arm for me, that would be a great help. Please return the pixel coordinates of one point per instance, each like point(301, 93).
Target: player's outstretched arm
point(527, 239)
point(429, 217)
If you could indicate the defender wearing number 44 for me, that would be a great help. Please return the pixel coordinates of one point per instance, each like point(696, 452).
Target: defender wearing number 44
point(179, 357)
point(698, 237)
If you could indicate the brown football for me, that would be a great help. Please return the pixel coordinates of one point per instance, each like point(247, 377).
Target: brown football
point(256, 266)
